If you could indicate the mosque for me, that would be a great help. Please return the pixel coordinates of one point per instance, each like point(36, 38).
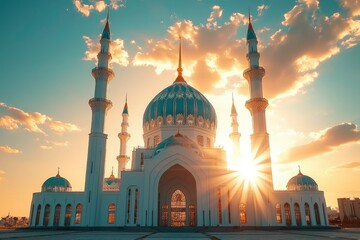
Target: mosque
point(179, 178)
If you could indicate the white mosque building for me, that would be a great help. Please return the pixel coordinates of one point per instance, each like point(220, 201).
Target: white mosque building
point(179, 178)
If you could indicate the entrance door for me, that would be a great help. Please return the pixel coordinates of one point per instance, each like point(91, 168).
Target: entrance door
point(178, 209)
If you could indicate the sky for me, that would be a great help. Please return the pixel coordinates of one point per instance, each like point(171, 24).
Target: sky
point(309, 49)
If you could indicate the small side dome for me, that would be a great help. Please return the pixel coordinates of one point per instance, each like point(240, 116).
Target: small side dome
point(178, 139)
point(301, 182)
point(56, 184)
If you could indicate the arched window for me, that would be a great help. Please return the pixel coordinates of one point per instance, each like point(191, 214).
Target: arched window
point(317, 214)
point(287, 214)
point(78, 213)
point(307, 214)
point(297, 214)
point(243, 218)
point(192, 215)
point(46, 215)
point(68, 215)
point(111, 213)
point(128, 207)
point(136, 206)
point(278, 213)
point(219, 207)
point(200, 140)
point(57, 215)
point(229, 207)
point(37, 219)
point(156, 140)
point(164, 215)
point(178, 209)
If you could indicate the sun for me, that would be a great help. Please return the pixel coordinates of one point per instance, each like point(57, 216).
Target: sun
point(248, 170)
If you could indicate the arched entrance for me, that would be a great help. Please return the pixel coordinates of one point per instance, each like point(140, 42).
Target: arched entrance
point(177, 198)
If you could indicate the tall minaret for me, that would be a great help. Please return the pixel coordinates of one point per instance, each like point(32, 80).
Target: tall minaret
point(124, 137)
point(234, 135)
point(97, 139)
point(257, 104)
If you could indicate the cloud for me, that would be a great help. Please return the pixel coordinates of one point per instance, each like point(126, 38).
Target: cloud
point(7, 149)
point(291, 56)
point(261, 9)
point(210, 51)
point(119, 55)
point(325, 141)
point(349, 165)
point(98, 5)
point(12, 118)
point(51, 144)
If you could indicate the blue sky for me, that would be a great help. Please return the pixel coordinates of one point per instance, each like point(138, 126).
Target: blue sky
point(309, 49)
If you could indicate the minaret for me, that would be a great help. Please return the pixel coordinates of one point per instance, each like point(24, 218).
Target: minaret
point(257, 104)
point(124, 137)
point(97, 139)
point(235, 135)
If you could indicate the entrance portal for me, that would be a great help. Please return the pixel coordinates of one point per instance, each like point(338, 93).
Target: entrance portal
point(177, 198)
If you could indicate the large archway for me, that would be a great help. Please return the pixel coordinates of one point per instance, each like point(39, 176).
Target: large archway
point(177, 198)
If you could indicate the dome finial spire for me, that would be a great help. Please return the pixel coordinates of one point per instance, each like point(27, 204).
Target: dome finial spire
point(180, 70)
point(300, 173)
point(58, 173)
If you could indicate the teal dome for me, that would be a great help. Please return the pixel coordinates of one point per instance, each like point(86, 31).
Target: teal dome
point(301, 182)
point(180, 104)
point(56, 184)
point(179, 140)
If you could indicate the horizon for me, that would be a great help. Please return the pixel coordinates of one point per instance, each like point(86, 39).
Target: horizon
point(309, 50)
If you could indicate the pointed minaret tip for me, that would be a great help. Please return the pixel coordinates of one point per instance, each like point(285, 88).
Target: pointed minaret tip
point(106, 32)
point(180, 70)
point(250, 33)
point(125, 110)
point(233, 109)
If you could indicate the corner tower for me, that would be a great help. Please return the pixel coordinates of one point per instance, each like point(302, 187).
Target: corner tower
point(257, 104)
point(97, 138)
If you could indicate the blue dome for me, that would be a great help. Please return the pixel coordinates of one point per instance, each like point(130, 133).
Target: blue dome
point(179, 140)
point(181, 104)
point(56, 184)
point(301, 182)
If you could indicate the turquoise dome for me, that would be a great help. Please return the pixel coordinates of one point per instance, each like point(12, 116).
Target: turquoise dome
point(180, 104)
point(179, 140)
point(56, 184)
point(301, 182)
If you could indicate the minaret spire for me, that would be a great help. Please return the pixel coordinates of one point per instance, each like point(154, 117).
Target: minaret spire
point(234, 136)
point(124, 136)
point(180, 70)
point(97, 138)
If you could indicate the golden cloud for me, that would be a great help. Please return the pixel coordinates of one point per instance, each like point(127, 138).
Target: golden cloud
point(7, 149)
point(326, 141)
point(12, 118)
point(98, 5)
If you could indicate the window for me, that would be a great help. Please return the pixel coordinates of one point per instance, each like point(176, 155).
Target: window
point(287, 214)
point(278, 213)
point(208, 142)
point(219, 206)
point(46, 215)
point(68, 215)
point(164, 215)
point(317, 214)
point(37, 219)
point(178, 209)
point(229, 210)
point(192, 215)
point(200, 140)
point(136, 206)
point(78, 213)
point(57, 215)
point(297, 214)
point(128, 207)
point(243, 213)
point(142, 161)
point(156, 140)
point(307, 214)
point(111, 213)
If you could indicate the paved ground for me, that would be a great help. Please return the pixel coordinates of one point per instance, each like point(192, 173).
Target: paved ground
point(345, 234)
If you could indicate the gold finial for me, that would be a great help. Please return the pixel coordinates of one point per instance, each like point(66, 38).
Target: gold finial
point(180, 64)
point(249, 16)
point(58, 173)
point(108, 13)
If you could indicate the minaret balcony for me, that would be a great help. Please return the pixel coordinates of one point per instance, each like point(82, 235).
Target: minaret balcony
point(100, 102)
point(254, 71)
point(103, 72)
point(257, 104)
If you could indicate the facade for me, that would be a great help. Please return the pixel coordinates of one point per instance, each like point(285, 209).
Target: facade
point(179, 178)
point(349, 210)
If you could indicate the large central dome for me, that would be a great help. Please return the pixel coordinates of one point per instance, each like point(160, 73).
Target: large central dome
point(180, 104)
